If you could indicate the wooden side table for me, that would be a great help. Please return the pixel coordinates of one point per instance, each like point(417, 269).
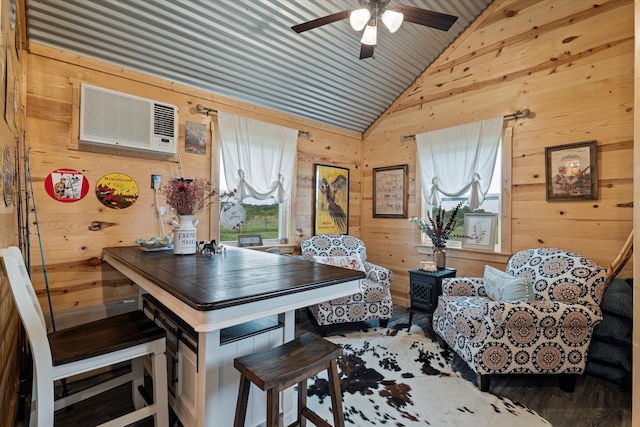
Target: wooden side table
point(424, 289)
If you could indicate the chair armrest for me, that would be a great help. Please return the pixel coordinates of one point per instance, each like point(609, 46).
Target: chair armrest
point(542, 314)
point(463, 287)
point(379, 274)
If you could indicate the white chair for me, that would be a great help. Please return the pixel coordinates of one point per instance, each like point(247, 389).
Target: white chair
point(84, 348)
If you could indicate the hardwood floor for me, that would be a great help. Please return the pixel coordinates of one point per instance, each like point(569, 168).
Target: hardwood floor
point(595, 402)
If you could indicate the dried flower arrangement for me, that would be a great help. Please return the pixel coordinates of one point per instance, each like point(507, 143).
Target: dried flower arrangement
point(435, 228)
point(188, 196)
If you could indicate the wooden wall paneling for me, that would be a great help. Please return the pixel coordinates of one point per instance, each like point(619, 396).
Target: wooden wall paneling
point(9, 319)
point(577, 82)
point(68, 237)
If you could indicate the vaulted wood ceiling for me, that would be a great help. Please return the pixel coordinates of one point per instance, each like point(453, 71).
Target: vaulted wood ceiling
point(246, 50)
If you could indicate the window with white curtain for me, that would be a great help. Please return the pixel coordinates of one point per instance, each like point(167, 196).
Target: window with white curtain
point(462, 164)
point(258, 160)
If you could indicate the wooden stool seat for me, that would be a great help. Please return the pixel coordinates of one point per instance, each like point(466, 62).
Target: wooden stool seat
point(279, 368)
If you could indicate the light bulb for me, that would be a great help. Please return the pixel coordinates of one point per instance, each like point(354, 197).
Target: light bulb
point(370, 35)
point(359, 18)
point(392, 20)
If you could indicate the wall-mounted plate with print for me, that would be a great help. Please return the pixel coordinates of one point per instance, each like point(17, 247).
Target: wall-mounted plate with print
point(66, 185)
point(117, 191)
point(8, 177)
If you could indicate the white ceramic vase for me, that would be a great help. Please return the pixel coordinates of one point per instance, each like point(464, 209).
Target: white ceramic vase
point(184, 236)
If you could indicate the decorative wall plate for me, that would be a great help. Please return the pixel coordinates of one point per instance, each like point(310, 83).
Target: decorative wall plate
point(66, 185)
point(117, 191)
point(232, 216)
point(8, 177)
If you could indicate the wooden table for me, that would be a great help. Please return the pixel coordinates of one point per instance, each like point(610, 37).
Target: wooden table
point(211, 293)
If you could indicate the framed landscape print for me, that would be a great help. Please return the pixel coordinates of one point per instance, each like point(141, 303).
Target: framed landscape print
point(572, 171)
point(331, 200)
point(390, 192)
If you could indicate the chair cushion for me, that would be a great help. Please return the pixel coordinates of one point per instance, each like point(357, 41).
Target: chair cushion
point(502, 286)
point(350, 262)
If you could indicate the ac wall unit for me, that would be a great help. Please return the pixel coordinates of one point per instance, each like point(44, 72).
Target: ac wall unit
point(116, 119)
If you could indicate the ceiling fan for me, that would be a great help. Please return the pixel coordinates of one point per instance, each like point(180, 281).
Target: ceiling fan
point(373, 11)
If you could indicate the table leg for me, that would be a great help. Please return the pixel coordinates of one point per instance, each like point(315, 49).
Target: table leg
point(208, 379)
point(410, 321)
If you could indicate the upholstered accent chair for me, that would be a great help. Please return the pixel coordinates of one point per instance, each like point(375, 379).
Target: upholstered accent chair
point(373, 302)
point(545, 330)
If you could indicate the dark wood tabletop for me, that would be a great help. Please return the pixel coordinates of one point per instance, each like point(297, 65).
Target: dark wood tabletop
point(236, 276)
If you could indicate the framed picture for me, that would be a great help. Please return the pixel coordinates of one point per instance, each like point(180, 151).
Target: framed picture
point(331, 200)
point(390, 194)
point(572, 171)
point(249, 240)
point(480, 231)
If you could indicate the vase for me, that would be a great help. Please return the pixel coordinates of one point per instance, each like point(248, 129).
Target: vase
point(440, 257)
point(184, 236)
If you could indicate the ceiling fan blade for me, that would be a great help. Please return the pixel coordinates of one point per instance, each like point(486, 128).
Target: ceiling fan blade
point(440, 21)
point(366, 50)
point(310, 25)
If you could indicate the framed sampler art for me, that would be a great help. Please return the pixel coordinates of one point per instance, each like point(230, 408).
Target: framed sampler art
point(572, 171)
point(331, 200)
point(390, 192)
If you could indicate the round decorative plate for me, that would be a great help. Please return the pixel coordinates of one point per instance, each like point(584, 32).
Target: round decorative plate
point(117, 191)
point(232, 216)
point(8, 177)
point(66, 185)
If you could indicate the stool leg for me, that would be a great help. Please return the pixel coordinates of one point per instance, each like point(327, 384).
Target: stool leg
point(302, 402)
point(273, 408)
point(336, 394)
point(243, 398)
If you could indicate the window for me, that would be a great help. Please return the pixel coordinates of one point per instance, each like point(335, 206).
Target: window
point(258, 160)
point(265, 217)
point(464, 163)
point(491, 204)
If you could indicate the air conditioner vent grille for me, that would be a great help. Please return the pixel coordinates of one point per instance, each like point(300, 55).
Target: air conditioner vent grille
point(163, 120)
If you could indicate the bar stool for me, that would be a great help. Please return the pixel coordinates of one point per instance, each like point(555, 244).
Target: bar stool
point(278, 368)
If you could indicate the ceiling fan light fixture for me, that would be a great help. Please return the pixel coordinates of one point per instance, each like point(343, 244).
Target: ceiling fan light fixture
point(392, 20)
point(359, 18)
point(370, 35)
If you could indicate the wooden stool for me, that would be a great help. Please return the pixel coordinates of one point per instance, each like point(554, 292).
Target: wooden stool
point(278, 368)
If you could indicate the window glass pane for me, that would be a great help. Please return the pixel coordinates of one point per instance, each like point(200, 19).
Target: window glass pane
point(262, 218)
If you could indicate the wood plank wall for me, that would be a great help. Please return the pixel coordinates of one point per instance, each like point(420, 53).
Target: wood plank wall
point(12, 76)
point(72, 242)
point(571, 63)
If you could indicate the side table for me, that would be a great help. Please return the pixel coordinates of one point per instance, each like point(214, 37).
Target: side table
point(424, 289)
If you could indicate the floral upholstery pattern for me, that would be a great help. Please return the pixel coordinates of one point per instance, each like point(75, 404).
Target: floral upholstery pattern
point(548, 335)
point(373, 302)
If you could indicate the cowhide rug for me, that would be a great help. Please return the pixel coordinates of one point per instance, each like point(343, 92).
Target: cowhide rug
point(399, 378)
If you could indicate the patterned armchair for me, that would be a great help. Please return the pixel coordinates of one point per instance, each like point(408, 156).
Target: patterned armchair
point(373, 302)
point(548, 335)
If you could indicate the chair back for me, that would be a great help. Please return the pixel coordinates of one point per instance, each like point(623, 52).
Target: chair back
point(33, 321)
point(560, 275)
point(333, 245)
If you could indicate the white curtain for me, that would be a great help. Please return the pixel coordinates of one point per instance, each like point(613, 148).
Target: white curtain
point(258, 157)
point(459, 159)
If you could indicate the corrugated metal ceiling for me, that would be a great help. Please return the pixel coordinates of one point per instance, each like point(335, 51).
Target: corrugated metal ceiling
point(246, 50)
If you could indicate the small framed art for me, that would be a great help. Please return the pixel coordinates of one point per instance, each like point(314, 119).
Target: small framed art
point(572, 171)
point(390, 192)
point(480, 231)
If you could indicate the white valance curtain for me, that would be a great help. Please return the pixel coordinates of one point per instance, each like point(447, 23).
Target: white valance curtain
point(258, 157)
point(459, 159)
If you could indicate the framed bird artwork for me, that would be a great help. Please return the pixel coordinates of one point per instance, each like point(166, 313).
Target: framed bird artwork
point(331, 200)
